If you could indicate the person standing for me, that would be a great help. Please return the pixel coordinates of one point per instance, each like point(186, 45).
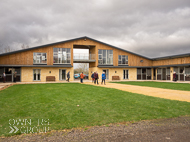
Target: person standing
point(92, 76)
point(15, 76)
point(174, 76)
point(103, 78)
point(96, 77)
point(68, 76)
point(81, 77)
point(4, 77)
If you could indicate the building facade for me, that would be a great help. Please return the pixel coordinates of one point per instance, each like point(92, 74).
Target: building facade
point(39, 64)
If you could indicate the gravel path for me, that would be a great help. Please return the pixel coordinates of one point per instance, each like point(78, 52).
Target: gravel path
point(150, 91)
point(163, 130)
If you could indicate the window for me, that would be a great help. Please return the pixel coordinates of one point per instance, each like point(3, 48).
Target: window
point(61, 55)
point(105, 57)
point(143, 71)
point(139, 71)
point(176, 70)
point(37, 74)
point(187, 71)
point(39, 58)
point(148, 72)
point(159, 71)
point(168, 71)
point(181, 70)
point(125, 74)
point(122, 60)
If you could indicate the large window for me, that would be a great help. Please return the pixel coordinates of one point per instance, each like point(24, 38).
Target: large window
point(39, 58)
point(122, 60)
point(105, 57)
point(36, 74)
point(61, 55)
point(143, 74)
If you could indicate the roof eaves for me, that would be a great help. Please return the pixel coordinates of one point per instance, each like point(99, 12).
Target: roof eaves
point(171, 57)
point(41, 46)
point(117, 48)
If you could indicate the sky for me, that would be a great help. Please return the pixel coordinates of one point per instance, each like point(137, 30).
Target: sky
point(152, 28)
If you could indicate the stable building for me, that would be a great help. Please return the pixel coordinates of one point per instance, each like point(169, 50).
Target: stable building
point(51, 62)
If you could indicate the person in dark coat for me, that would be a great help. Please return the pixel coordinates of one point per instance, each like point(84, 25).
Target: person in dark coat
point(103, 78)
point(96, 77)
point(4, 77)
point(68, 76)
point(15, 76)
point(92, 76)
point(174, 76)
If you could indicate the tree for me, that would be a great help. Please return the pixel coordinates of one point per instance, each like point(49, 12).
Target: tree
point(82, 67)
point(24, 46)
point(7, 48)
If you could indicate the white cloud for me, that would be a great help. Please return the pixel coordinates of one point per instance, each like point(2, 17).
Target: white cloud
point(150, 28)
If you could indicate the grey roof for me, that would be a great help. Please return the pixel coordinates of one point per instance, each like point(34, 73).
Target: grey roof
point(172, 57)
point(85, 37)
point(174, 65)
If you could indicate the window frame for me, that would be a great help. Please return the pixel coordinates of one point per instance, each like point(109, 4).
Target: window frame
point(40, 57)
point(121, 60)
point(107, 59)
point(60, 59)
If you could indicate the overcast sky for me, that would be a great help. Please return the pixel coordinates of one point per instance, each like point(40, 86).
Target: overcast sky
point(152, 28)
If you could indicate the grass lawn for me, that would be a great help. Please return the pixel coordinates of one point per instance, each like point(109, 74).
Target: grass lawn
point(165, 85)
point(97, 106)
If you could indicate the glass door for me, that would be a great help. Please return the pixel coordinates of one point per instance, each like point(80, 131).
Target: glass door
point(62, 74)
point(164, 74)
point(9, 76)
point(36, 74)
point(125, 74)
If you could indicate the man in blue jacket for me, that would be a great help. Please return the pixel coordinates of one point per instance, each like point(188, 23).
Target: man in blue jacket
point(103, 78)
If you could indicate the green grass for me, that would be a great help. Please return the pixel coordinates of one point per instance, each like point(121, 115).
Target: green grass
point(97, 106)
point(165, 85)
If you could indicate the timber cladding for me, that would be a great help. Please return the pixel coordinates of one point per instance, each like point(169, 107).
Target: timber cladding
point(181, 60)
point(26, 57)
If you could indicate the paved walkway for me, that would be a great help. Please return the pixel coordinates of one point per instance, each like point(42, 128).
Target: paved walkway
point(4, 85)
point(150, 91)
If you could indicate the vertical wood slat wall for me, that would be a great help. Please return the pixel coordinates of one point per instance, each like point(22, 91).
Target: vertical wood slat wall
point(26, 57)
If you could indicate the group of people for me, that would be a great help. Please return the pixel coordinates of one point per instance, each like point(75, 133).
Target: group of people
point(4, 77)
point(81, 77)
point(95, 77)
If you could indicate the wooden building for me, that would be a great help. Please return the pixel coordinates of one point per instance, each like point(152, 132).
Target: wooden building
point(53, 61)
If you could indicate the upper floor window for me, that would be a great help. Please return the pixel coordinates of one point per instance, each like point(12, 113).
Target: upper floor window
point(39, 58)
point(105, 57)
point(122, 60)
point(61, 55)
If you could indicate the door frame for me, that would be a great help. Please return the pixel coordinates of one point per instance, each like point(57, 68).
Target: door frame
point(60, 75)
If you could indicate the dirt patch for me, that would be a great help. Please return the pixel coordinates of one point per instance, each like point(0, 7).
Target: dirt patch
point(150, 91)
point(173, 129)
